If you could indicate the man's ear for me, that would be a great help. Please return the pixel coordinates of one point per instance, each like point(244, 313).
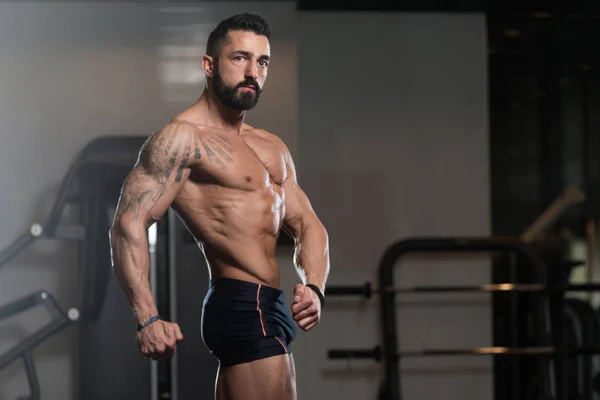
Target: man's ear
point(208, 65)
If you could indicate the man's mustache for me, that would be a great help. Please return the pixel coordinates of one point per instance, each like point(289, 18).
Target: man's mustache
point(250, 82)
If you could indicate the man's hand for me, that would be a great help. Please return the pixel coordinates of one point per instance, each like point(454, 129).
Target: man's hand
point(306, 308)
point(158, 340)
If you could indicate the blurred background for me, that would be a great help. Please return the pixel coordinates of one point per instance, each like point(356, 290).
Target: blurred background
point(466, 132)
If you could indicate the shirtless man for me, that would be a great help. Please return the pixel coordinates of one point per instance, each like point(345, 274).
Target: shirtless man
point(235, 188)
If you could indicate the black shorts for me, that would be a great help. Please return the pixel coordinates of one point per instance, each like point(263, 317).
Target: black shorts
point(244, 321)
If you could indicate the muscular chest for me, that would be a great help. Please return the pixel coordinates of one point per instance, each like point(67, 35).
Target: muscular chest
point(245, 162)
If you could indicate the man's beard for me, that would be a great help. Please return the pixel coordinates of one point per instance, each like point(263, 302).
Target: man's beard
point(233, 98)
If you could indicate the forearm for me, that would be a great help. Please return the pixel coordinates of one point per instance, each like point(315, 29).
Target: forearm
point(131, 266)
point(312, 255)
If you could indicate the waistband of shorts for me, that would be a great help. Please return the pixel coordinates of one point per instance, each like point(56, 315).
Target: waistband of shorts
point(238, 284)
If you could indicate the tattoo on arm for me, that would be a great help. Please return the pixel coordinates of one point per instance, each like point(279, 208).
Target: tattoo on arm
point(197, 155)
point(165, 152)
point(184, 161)
point(133, 204)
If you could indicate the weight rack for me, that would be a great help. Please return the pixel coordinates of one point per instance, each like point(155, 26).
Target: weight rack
point(550, 357)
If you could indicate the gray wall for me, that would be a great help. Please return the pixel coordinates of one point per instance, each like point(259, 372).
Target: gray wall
point(67, 77)
point(414, 88)
point(394, 144)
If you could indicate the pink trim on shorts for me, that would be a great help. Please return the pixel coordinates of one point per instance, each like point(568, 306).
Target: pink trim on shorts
point(282, 345)
point(262, 324)
point(259, 310)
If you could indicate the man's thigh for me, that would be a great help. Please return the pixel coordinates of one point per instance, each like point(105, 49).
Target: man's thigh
point(271, 378)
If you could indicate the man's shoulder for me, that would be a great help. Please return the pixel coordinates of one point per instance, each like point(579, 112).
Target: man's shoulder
point(174, 136)
point(180, 130)
point(180, 125)
point(175, 128)
point(269, 136)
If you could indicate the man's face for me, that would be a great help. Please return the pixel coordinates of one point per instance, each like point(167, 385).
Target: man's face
point(241, 70)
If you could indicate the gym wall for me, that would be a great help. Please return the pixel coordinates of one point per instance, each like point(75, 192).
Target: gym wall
point(394, 144)
point(73, 72)
point(70, 72)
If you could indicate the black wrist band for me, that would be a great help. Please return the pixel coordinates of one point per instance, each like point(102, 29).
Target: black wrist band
point(316, 289)
point(147, 322)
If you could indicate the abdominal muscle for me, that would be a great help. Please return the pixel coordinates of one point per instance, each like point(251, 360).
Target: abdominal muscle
point(236, 229)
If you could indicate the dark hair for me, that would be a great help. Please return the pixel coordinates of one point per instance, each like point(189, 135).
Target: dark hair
point(241, 22)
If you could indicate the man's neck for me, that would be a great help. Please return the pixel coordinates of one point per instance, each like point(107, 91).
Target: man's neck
point(212, 113)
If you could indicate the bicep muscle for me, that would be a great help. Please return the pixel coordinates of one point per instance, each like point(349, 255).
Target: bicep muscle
point(161, 168)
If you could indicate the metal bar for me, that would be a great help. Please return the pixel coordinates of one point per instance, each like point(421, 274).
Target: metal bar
point(32, 378)
point(172, 237)
point(371, 354)
point(55, 311)
point(367, 290)
point(504, 351)
point(19, 305)
point(152, 240)
point(573, 320)
point(515, 373)
point(70, 232)
point(376, 353)
point(559, 340)
point(32, 341)
point(499, 287)
point(65, 194)
point(59, 320)
point(52, 227)
point(388, 311)
point(15, 247)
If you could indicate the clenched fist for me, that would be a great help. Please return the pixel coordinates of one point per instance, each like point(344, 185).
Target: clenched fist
point(159, 339)
point(306, 308)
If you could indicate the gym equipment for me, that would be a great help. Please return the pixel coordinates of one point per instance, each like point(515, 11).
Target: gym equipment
point(108, 325)
point(106, 317)
point(83, 186)
point(367, 290)
point(571, 195)
point(178, 278)
point(59, 321)
point(551, 357)
point(581, 331)
point(585, 327)
point(377, 352)
point(109, 365)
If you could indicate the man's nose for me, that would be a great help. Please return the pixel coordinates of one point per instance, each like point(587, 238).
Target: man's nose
point(252, 71)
